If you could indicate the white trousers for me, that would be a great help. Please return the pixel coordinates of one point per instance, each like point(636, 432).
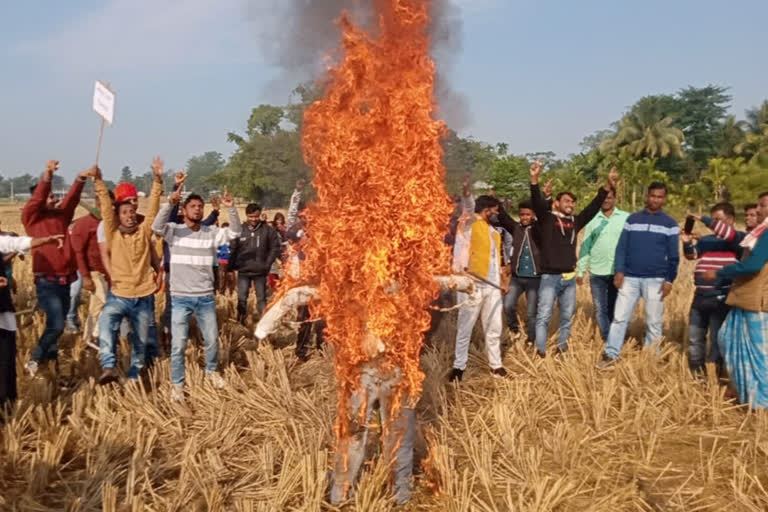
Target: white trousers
point(485, 302)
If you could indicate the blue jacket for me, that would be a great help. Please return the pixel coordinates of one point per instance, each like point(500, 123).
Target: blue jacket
point(649, 246)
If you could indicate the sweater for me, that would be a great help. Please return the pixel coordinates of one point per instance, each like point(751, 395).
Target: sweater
point(711, 253)
point(193, 252)
point(598, 249)
point(86, 246)
point(522, 237)
point(40, 221)
point(558, 233)
point(649, 246)
point(130, 253)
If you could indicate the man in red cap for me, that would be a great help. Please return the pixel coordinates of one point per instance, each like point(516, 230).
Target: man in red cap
point(54, 267)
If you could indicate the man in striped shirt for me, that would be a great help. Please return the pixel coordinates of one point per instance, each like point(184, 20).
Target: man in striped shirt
point(708, 311)
point(193, 248)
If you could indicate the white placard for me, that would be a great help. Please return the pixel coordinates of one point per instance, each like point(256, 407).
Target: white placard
point(104, 102)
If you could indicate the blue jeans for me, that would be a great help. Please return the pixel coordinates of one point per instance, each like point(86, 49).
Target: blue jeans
point(53, 299)
point(604, 295)
point(707, 313)
point(518, 285)
point(554, 287)
point(204, 309)
point(75, 289)
point(649, 288)
point(140, 313)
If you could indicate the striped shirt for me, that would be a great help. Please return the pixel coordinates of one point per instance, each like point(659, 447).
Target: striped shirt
point(193, 252)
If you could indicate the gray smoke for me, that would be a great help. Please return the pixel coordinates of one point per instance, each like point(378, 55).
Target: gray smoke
point(295, 37)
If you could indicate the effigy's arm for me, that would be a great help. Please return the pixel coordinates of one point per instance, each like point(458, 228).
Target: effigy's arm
point(301, 295)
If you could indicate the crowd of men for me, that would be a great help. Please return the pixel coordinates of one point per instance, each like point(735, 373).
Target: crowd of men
point(125, 259)
point(628, 257)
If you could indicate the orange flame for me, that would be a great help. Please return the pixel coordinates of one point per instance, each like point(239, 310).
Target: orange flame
point(375, 233)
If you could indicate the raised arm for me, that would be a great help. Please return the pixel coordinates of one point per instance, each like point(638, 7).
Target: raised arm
point(211, 219)
point(155, 193)
point(505, 221)
point(293, 207)
point(588, 213)
point(540, 205)
point(72, 199)
point(107, 210)
point(36, 203)
point(750, 266)
point(235, 226)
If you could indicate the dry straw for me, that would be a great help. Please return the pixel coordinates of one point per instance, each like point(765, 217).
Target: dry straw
point(557, 436)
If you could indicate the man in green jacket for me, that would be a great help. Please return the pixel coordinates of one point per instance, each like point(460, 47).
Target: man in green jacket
point(597, 253)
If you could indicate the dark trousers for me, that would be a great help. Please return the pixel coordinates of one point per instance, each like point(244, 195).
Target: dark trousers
point(518, 285)
point(243, 287)
point(604, 295)
point(305, 332)
point(707, 314)
point(7, 368)
point(53, 299)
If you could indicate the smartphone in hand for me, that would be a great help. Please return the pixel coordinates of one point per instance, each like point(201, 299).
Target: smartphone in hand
point(689, 223)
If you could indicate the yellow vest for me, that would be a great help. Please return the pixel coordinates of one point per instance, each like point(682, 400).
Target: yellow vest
point(480, 248)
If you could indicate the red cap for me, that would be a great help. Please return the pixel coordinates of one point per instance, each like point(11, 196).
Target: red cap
point(125, 191)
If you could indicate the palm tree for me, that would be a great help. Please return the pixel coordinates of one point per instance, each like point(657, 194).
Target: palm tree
point(647, 132)
point(732, 133)
point(719, 171)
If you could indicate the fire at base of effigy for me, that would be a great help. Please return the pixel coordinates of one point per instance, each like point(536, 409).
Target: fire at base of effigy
point(378, 389)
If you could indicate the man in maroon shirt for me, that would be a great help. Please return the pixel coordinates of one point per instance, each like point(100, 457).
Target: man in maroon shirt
point(91, 268)
point(54, 267)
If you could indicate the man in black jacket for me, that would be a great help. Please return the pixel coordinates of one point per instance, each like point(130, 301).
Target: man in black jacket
point(525, 266)
point(252, 255)
point(558, 231)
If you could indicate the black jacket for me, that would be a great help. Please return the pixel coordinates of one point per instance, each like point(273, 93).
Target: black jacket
point(519, 233)
point(557, 235)
point(255, 250)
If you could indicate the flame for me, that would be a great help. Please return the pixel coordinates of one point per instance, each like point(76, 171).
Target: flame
point(375, 232)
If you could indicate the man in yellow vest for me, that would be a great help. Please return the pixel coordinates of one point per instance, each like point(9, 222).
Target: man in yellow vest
point(478, 251)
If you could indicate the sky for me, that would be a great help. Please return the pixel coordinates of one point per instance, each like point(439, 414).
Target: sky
point(536, 74)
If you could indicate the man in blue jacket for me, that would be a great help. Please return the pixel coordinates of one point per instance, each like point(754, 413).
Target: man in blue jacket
point(646, 263)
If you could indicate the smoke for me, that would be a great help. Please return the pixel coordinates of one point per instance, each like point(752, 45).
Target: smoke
point(296, 36)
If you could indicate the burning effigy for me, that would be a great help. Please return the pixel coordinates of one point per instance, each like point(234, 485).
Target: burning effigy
point(374, 243)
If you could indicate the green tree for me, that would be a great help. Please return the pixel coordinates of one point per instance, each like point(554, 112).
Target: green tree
point(732, 134)
point(200, 169)
point(509, 177)
point(647, 131)
point(466, 156)
point(126, 176)
point(718, 172)
point(701, 114)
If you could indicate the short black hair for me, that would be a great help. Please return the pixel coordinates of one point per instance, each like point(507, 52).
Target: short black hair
point(525, 205)
point(750, 206)
point(657, 185)
point(193, 197)
point(252, 208)
point(32, 189)
point(483, 202)
point(612, 189)
point(726, 208)
point(566, 193)
point(761, 196)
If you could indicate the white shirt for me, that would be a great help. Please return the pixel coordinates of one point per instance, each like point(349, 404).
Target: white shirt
point(101, 235)
point(9, 244)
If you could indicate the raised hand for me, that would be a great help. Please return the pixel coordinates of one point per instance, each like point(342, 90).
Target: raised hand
point(613, 177)
point(50, 167)
point(227, 199)
point(92, 172)
point(548, 189)
point(179, 178)
point(216, 203)
point(157, 168)
point(535, 171)
point(175, 197)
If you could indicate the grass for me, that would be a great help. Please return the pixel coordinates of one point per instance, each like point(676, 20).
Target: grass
point(557, 436)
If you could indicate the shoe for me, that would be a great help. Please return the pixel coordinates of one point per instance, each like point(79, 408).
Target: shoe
point(529, 342)
point(216, 380)
point(71, 329)
point(177, 393)
point(31, 367)
point(606, 363)
point(541, 354)
point(499, 373)
point(559, 352)
point(108, 376)
point(456, 375)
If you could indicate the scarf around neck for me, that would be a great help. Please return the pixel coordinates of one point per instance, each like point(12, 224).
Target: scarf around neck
point(753, 236)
